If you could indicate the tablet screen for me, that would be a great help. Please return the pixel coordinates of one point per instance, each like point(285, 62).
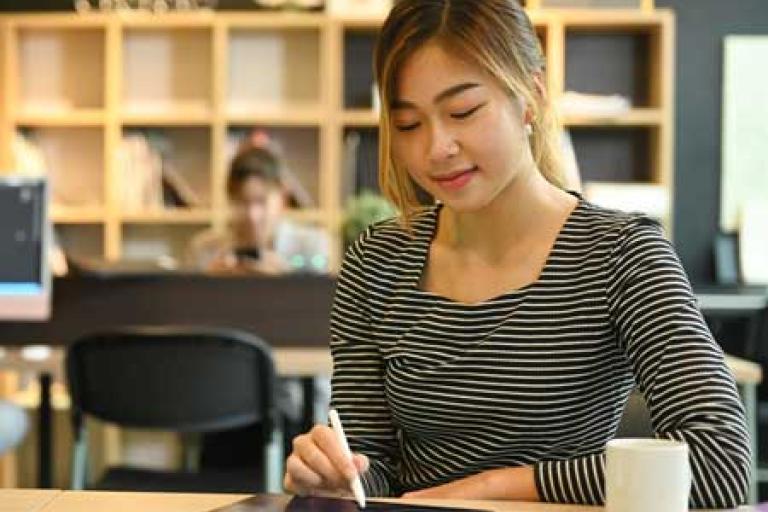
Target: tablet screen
point(318, 504)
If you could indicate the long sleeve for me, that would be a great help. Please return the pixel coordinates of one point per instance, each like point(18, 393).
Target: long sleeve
point(678, 367)
point(358, 382)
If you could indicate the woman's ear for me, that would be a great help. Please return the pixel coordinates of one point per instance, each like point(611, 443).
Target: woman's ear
point(528, 115)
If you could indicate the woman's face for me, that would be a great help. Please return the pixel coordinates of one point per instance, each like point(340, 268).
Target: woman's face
point(257, 209)
point(456, 131)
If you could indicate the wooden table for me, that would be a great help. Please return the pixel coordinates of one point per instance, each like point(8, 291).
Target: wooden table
point(26, 500)
point(12, 500)
point(748, 303)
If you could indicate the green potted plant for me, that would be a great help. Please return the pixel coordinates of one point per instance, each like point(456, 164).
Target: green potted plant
point(363, 210)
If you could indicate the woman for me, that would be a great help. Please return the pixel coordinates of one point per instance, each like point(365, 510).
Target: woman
point(259, 238)
point(484, 346)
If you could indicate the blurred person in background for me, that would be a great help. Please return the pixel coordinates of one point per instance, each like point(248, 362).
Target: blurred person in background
point(259, 238)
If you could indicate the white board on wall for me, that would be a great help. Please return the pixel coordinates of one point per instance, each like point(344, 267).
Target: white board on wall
point(744, 176)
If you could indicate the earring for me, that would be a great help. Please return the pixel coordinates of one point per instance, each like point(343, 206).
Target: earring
point(528, 129)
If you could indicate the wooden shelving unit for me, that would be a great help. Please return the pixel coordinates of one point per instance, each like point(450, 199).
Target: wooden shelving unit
point(79, 83)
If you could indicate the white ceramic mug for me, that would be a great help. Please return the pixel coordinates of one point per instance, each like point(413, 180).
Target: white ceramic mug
point(643, 475)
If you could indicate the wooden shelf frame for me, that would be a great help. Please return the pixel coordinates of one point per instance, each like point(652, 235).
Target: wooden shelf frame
point(325, 112)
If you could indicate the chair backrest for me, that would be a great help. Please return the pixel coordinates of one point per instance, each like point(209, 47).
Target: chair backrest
point(636, 419)
point(181, 379)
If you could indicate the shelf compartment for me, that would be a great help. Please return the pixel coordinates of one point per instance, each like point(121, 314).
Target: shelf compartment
point(185, 153)
point(357, 70)
point(167, 73)
point(616, 154)
point(83, 241)
point(272, 71)
point(60, 70)
point(624, 66)
point(75, 161)
point(360, 149)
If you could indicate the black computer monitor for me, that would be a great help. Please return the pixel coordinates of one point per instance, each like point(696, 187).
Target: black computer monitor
point(25, 280)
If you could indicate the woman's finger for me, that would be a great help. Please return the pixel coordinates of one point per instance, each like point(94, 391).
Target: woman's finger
point(326, 440)
point(317, 460)
point(302, 477)
point(361, 462)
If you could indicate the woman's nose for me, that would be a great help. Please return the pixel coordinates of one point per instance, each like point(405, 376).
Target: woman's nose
point(443, 144)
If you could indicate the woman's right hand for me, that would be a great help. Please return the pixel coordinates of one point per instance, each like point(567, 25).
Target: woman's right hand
point(318, 465)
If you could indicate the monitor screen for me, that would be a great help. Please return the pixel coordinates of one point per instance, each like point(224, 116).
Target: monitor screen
point(24, 232)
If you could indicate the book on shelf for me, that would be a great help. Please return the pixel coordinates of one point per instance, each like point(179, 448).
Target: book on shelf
point(177, 191)
point(351, 147)
point(574, 103)
point(360, 162)
point(32, 156)
point(28, 159)
point(148, 178)
point(649, 198)
point(140, 168)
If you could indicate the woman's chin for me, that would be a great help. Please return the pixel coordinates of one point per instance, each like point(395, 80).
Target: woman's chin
point(464, 203)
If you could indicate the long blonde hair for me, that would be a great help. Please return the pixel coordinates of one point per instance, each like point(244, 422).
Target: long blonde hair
point(498, 36)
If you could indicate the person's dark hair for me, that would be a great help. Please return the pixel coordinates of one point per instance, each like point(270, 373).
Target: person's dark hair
point(253, 162)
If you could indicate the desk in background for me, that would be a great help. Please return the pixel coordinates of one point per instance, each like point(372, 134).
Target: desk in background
point(287, 311)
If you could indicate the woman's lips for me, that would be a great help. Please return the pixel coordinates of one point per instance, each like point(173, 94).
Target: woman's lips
point(456, 180)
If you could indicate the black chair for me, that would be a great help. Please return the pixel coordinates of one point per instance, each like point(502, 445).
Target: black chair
point(636, 418)
point(190, 381)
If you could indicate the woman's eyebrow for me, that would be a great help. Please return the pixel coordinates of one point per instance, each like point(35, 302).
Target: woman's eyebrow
point(399, 104)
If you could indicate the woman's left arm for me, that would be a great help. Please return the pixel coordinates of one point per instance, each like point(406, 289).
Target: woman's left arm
point(678, 366)
point(517, 483)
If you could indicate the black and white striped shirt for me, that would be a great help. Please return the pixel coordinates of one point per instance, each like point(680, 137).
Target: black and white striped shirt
point(433, 390)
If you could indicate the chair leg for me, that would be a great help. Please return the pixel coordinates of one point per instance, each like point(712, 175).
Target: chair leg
point(80, 460)
point(273, 462)
point(190, 451)
point(749, 397)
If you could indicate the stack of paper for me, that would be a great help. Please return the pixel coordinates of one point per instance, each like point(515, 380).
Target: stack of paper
point(140, 170)
point(576, 103)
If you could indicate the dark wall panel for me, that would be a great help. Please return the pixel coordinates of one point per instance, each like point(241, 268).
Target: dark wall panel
point(701, 26)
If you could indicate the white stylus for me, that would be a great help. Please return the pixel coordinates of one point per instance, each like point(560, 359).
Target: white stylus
point(357, 485)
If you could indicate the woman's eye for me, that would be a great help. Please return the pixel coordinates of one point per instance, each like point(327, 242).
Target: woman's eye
point(407, 127)
point(467, 113)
